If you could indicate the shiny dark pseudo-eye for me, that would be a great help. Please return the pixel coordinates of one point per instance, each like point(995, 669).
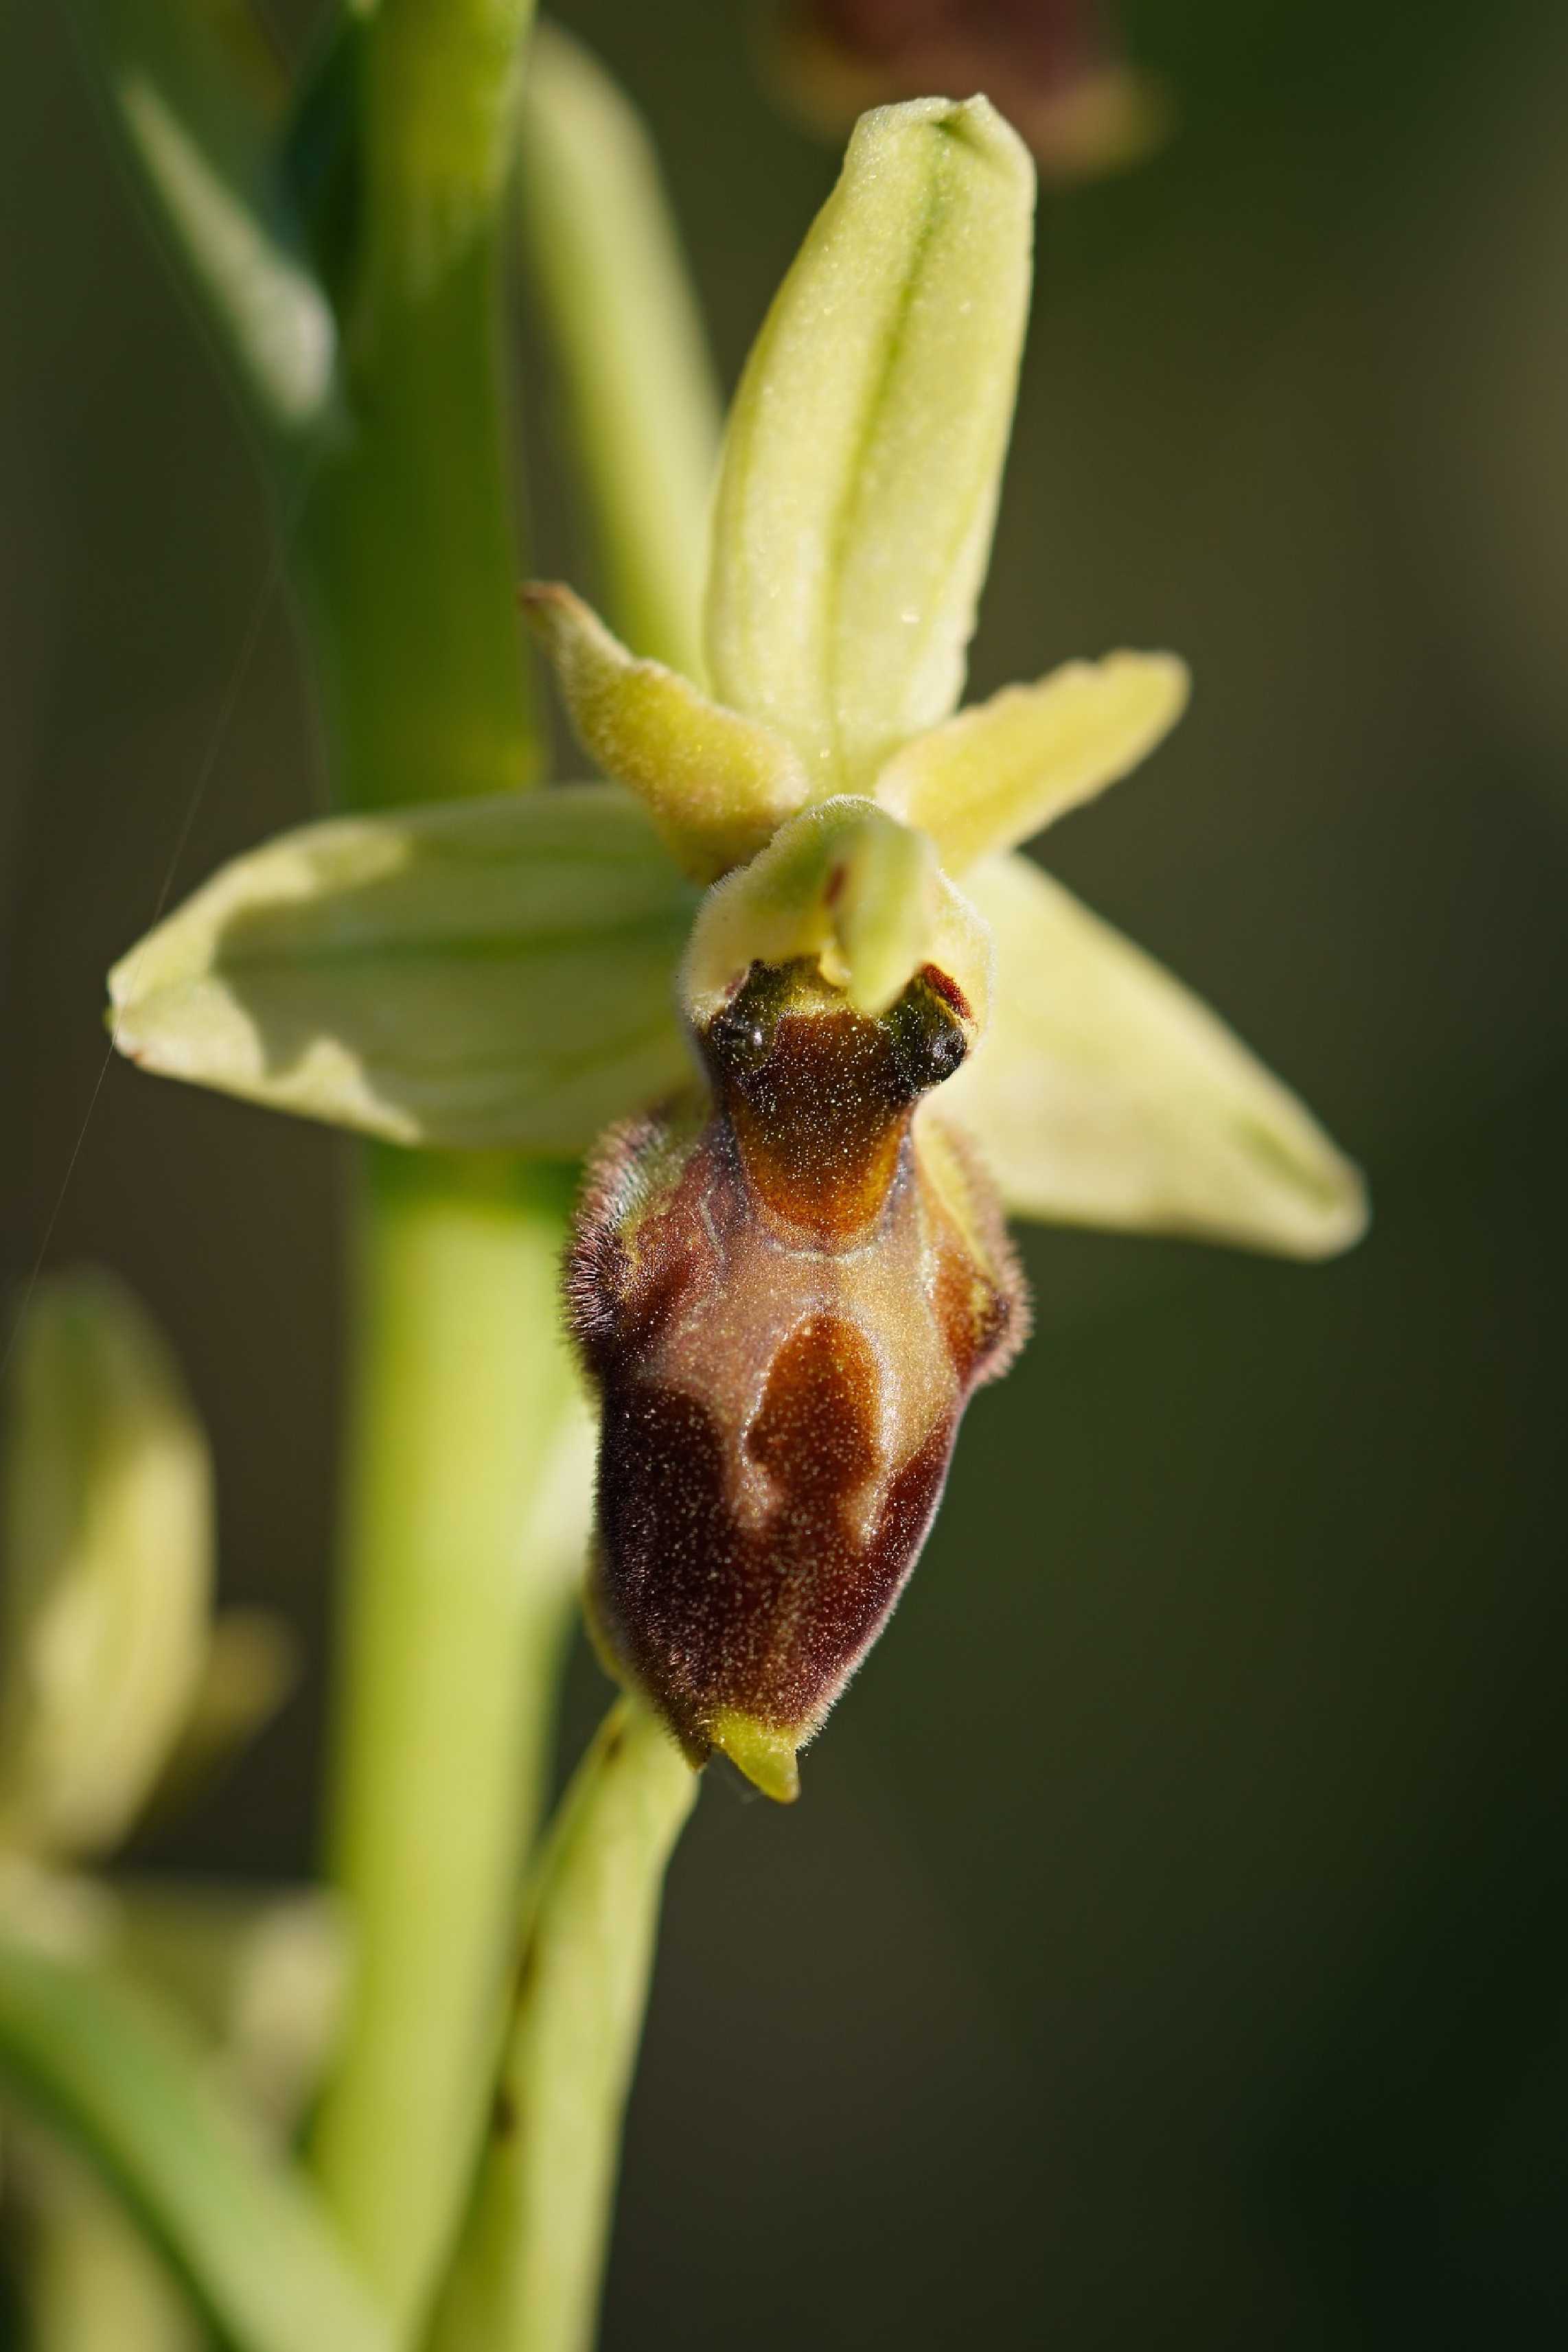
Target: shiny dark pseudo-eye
point(785, 1295)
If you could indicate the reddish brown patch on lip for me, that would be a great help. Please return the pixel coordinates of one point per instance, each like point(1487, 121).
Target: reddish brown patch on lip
point(710, 1615)
point(785, 1313)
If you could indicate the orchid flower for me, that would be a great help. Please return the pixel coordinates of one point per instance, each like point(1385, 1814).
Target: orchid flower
point(796, 909)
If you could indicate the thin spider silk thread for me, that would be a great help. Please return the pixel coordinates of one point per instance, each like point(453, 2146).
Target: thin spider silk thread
point(271, 581)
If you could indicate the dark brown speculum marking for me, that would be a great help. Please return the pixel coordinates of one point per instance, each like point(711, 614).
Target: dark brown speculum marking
point(786, 1297)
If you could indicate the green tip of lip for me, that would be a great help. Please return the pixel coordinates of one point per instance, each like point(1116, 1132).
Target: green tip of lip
point(762, 1752)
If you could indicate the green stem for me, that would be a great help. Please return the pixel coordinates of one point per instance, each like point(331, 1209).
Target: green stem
point(453, 1610)
point(526, 2272)
point(407, 545)
point(642, 409)
point(114, 2076)
point(449, 1632)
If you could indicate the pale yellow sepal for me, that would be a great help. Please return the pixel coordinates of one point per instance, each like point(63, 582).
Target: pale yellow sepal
point(107, 1546)
point(1106, 1094)
point(764, 1753)
point(865, 446)
point(717, 785)
point(491, 973)
point(849, 884)
point(998, 773)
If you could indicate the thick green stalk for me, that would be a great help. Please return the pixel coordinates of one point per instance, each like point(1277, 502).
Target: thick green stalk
point(641, 407)
point(406, 544)
point(526, 2272)
point(449, 1631)
point(453, 1611)
point(114, 2076)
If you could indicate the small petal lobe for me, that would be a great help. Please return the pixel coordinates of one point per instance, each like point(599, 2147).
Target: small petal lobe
point(999, 772)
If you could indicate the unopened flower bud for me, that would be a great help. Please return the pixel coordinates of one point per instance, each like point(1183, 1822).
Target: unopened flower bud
point(786, 1300)
point(108, 1526)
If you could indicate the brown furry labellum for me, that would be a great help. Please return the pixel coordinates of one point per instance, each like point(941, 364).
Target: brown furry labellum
point(786, 1295)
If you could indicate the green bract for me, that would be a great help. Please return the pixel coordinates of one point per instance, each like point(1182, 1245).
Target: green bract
point(505, 973)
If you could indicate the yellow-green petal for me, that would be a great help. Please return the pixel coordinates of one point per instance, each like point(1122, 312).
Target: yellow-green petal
point(997, 774)
point(717, 785)
point(1107, 1094)
point(108, 1549)
point(848, 884)
point(496, 972)
point(865, 448)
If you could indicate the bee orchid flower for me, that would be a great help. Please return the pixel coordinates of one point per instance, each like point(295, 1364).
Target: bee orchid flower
point(791, 958)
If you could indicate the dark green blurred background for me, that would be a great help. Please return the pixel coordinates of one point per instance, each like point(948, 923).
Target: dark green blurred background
point(1171, 1946)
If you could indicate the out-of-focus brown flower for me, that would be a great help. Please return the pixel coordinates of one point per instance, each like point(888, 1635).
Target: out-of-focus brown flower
point(1055, 67)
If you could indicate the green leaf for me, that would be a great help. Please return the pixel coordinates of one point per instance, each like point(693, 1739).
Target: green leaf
point(113, 2075)
point(1107, 1094)
point(849, 884)
point(717, 785)
point(190, 100)
point(865, 447)
point(108, 1527)
point(996, 774)
point(496, 972)
point(525, 2277)
point(88, 2280)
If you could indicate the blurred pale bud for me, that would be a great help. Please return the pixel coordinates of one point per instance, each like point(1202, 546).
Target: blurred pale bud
point(716, 784)
point(864, 450)
point(858, 894)
point(1055, 67)
point(107, 1556)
